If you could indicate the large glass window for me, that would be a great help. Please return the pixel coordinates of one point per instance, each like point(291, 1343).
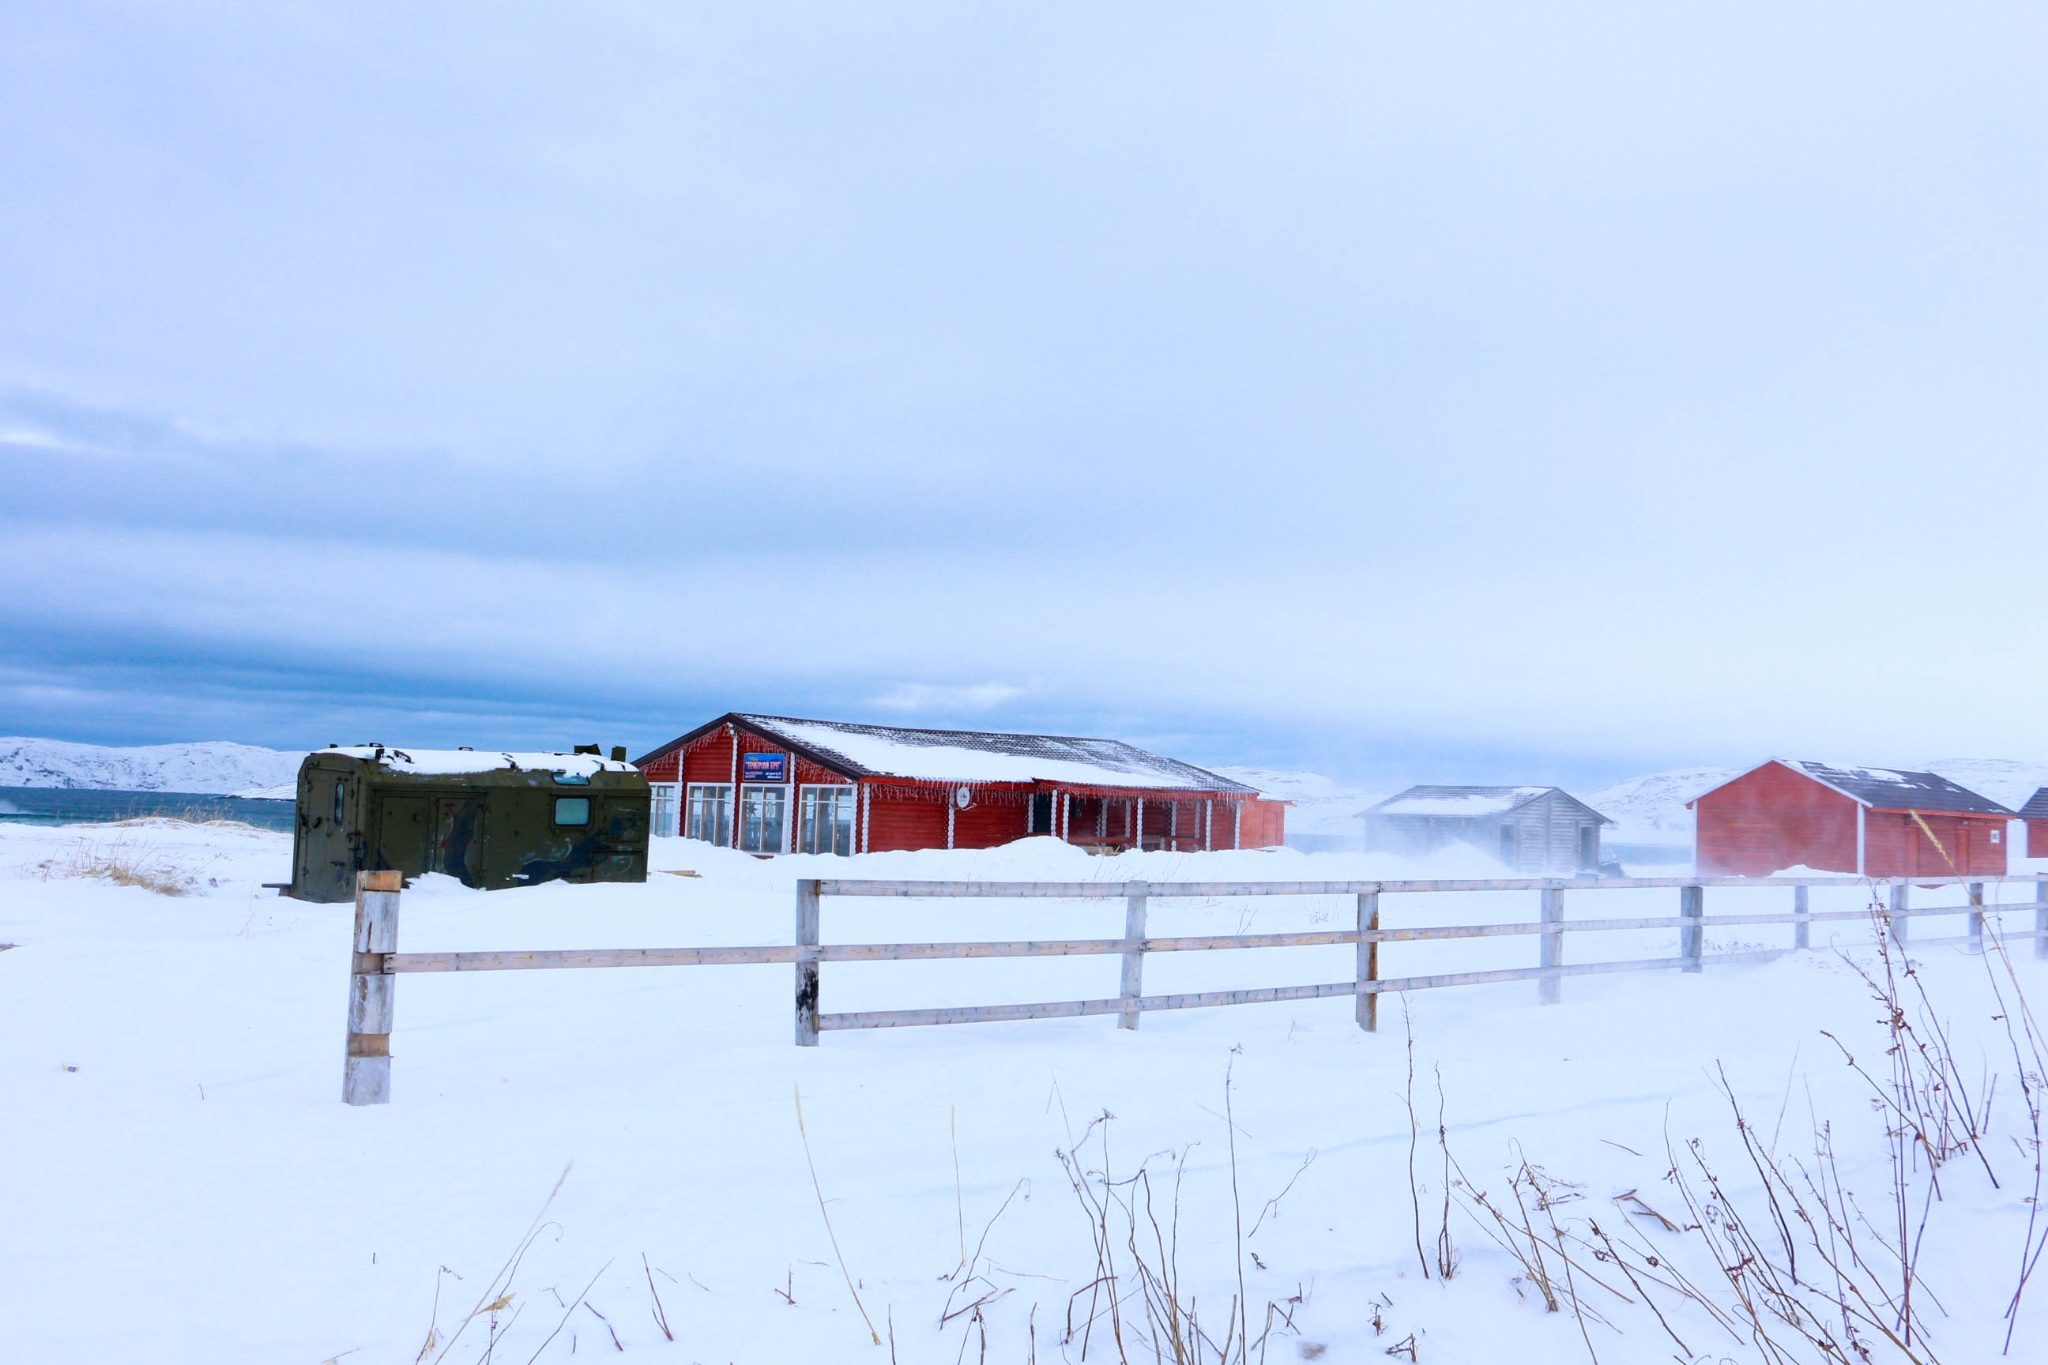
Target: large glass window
point(825, 823)
point(710, 813)
point(764, 819)
point(662, 812)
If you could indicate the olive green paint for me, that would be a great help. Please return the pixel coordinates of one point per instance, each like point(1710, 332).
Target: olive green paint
point(493, 829)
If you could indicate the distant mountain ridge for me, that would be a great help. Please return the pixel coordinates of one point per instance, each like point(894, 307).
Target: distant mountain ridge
point(216, 767)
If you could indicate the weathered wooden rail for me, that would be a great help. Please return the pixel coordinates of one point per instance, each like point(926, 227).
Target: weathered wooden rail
point(377, 961)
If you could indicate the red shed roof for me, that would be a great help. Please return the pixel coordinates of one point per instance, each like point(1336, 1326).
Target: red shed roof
point(1885, 788)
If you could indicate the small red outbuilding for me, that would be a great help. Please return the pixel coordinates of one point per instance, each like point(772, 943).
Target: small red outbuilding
point(2035, 813)
point(1873, 822)
point(776, 784)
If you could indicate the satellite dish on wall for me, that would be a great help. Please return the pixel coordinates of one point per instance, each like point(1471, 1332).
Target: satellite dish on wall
point(963, 796)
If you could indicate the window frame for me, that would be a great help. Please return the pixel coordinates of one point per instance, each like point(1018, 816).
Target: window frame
point(694, 800)
point(664, 809)
point(846, 797)
point(782, 841)
point(589, 812)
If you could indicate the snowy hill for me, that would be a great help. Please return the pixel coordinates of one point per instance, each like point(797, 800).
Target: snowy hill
point(212, 767)
point(2007, 781)
point(1651, 809)
point(1323, 810)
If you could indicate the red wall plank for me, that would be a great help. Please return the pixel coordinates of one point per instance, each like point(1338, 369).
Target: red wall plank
point(1774, 818)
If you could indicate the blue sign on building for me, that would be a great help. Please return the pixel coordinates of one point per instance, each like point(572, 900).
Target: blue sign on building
point(764, 767)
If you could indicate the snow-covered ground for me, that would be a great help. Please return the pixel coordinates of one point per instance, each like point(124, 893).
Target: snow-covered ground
point(183, 1183)
point(214, 767)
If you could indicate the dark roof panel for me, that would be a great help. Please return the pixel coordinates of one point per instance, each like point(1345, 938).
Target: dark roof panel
point(1897, 789)
point(2037, 805)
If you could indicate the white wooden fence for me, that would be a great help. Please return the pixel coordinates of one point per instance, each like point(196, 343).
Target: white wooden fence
point(377, 961)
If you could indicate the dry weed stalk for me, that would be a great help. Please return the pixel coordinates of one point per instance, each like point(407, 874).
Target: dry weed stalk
point(498, 1292)
point(1806, 1270)
point(1136, 1305)
point(833, 1237)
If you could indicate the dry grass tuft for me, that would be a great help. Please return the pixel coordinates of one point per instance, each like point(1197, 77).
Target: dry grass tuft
point(124, 861)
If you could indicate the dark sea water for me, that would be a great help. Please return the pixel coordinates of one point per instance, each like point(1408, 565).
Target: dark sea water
point(66, 806)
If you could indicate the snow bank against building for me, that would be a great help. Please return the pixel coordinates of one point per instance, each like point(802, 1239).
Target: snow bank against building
point(212, 768)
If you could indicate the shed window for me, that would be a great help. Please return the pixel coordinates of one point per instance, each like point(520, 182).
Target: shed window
point(825, 820)
point(572, 810)
point(1997, 836)
point(340, 798)
point(764, 819)
point(709, 813)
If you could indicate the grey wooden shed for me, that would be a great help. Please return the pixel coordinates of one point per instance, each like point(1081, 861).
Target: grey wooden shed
point(1536, 831)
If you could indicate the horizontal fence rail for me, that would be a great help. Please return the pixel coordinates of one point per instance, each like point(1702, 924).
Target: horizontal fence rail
point(376, 959)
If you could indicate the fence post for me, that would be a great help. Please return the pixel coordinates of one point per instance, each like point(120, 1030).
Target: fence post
point(1692, 907)
point(1898, 914)
point(366, 1070)
point(2040, 918)
point(1368, 961)
point(1976, 894)
point(1133, 984)
point(1551, 944)
point(1802, 918)
point(806, 963)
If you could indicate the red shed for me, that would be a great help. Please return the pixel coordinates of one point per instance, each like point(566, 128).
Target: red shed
point(775, 784)
point(2035, 813)
point(1874, 822)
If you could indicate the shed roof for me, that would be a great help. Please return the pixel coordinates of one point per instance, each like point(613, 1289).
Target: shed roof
point(1887, 788)
point(2037, 805)
point(970, 756)
point(461, 762)
point(1454, 803)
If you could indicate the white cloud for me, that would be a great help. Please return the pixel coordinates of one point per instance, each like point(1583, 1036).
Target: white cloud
point(947, 698)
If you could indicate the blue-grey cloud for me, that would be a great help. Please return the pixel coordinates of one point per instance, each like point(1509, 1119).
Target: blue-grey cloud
point(1579, 386)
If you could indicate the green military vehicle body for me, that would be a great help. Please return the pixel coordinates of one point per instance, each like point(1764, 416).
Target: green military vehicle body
point(489, 819)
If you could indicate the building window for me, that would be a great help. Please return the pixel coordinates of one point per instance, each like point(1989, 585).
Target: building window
point(709, 813)
point(662, 810)
point(764, 819)
point(1997, 836)
point(340, 798)
point(572, 810)
point(825, 820)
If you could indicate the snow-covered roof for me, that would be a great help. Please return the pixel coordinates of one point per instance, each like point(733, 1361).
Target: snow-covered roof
point(1891, 788)
point(459, 762)
point(1464, 803)
point(969, 756)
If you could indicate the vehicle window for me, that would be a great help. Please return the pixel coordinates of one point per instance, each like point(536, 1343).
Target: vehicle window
point(572, 810)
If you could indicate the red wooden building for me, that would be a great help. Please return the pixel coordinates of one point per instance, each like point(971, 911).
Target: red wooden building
point(1873, 822)
point(774, 784)
point(2035, 813)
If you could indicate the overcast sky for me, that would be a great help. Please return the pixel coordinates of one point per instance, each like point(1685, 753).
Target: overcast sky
point(1399, 391)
